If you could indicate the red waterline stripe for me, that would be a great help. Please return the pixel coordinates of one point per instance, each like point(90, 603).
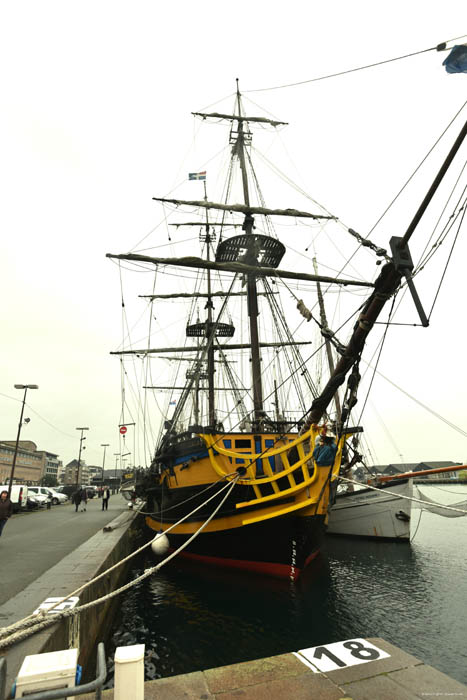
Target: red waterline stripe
point(261, 567)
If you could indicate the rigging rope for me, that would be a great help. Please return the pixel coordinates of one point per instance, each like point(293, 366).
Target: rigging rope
point(417, 168)
point(402, 188)
point(399, 495)
point(440, 47)
point(426, 256)
point(447, 263)
point(381, 344)
point(437, 415)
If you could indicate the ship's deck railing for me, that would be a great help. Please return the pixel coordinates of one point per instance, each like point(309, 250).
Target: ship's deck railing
point(296, 475)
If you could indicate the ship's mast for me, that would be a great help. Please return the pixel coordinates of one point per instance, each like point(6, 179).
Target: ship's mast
point(210, 329)
point(252, 296)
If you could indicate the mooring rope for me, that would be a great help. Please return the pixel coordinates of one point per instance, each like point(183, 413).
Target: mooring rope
point(34, 623)
point(399, 495)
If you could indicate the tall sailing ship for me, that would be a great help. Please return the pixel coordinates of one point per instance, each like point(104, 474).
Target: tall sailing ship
point(233, 479)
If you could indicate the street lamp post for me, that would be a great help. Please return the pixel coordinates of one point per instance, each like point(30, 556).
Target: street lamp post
point(79, 456)
point(105, 445)
point(25, 387)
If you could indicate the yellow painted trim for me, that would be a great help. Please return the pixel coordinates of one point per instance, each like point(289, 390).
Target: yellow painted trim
point(231, 522)
point(283, 511)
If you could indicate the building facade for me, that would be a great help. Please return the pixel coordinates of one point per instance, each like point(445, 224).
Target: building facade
point(96, 475)
point(31, 464)
point(50, 464)
point(71, 475)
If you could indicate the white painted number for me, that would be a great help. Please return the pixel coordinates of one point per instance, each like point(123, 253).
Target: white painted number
point(330, 657)
point(57, 605)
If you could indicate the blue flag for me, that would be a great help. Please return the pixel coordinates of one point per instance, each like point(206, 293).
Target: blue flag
point(456, 62)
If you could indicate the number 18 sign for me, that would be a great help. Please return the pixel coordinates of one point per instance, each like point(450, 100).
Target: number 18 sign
point(330, 657)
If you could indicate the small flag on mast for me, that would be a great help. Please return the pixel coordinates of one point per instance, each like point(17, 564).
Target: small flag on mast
point(197, 176)
point(172, 403)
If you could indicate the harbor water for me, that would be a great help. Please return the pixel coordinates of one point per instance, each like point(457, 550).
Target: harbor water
point(412, 595)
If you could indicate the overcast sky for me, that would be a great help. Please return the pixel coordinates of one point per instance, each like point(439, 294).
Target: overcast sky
point(95, 103)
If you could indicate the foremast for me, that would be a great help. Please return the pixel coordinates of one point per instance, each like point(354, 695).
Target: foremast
point(209, 307)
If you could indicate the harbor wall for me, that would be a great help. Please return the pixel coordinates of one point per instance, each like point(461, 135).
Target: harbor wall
point(107, 547)
point(396, 675)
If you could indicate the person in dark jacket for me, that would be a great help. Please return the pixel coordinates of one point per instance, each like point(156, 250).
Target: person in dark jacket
point(325, 452)
point(6, 509)
point(105, 498)
point(76, 499)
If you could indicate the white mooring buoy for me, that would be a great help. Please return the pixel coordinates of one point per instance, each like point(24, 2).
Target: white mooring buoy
point(160, 545)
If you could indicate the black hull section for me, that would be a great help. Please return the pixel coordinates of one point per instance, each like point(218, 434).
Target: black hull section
point(281, 547)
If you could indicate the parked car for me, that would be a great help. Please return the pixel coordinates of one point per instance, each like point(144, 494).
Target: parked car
point(58, 496)
point(34, 501)
point(67, 489)
point(39, 498)
point(18, 496)
point(50, 494)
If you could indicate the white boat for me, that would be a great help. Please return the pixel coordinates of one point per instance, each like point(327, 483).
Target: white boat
point(381, 514)
point(385, 513)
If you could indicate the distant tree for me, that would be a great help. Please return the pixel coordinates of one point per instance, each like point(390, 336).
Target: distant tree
point(463, 475)
point(49, 480)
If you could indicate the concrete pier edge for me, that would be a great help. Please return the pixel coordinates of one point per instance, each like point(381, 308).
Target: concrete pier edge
point(399, 677)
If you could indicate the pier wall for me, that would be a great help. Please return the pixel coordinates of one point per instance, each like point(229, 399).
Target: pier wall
point(104, 549)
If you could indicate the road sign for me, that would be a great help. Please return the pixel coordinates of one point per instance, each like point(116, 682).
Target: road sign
point(123, 430)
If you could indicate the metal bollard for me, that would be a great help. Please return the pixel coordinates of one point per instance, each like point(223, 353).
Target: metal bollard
point(129, 673)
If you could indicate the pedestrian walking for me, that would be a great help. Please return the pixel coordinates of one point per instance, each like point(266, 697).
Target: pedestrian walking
point(6, 509)
point(76, 499)
point(105, 498)
point(84, 498)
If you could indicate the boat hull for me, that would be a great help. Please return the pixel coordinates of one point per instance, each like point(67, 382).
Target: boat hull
point(279, 548)
point(373, 514)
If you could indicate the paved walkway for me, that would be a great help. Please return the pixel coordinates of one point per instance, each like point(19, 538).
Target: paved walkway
point(33, 542)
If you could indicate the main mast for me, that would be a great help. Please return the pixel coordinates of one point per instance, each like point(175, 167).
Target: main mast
point(252, 296)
